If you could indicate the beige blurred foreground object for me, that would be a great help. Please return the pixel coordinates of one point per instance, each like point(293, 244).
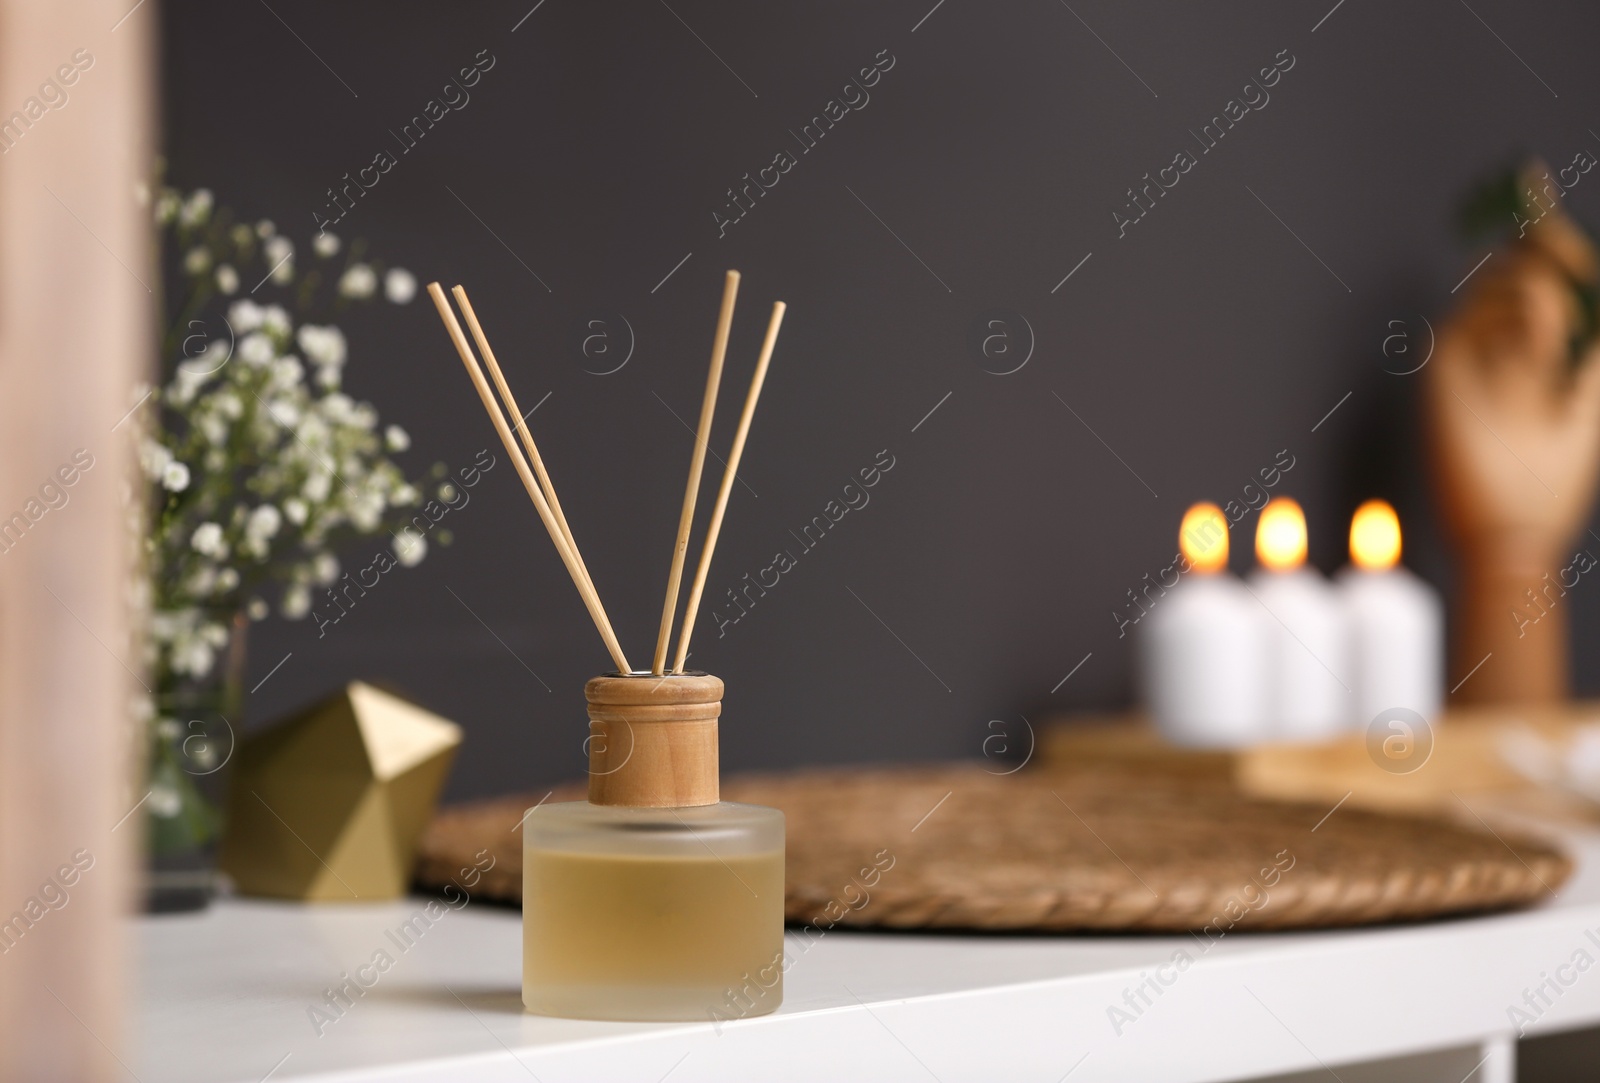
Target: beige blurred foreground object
point(328, 806)
point(75, 338)
point(1514, 435)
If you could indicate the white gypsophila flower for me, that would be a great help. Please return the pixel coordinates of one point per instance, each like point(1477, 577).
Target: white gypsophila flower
point(241, 235)
point(255, 349)
point(192, 376)
point(197, 259)
point(197, 208)
point(227, 579)
point(213, 427)
point(296, 602)
point(284, 412)
point(328, 377)
point(166, 208)
point(175, 477)
point(325, 346)
point(337, 407)
point(318, 486)
point(325, 244)
point(192, 655)
point(396, 439)
point(287, 373)
point(295, 510)
point(400, 286)
point(325, 568)
point(314, 432)
point(245, 316)
point(265, 228)
point(164, 625)
point(227, 278)
point(182, 390)
point(364, 416)
point(275, 321)
point(214, 634)
point(359, 281)
point(404, 493)
point(164, 802)
point(228, 404)
point(409, 547)
point(263, 522)
point(216, 459)
point(279, 253)
point(207, 541)
point(366, 512)
point(216, 354)
point(203, 580)
point(257, 609)
point(153, 458)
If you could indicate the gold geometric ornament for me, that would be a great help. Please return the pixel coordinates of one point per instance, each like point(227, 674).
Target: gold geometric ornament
point(329, 805)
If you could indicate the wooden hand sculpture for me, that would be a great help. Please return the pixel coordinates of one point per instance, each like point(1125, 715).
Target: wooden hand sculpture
point(1514, 436)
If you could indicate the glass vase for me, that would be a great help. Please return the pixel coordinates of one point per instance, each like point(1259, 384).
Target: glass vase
point(191, 740)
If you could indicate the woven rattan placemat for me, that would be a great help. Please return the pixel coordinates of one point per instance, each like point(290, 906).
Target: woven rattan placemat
point(959, 847)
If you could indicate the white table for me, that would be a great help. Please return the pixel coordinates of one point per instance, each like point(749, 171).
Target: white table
point(227, 996)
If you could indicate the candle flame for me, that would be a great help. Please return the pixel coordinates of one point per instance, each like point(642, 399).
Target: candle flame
point(1203, 538)
point(1375, 536)
point(1281, 535)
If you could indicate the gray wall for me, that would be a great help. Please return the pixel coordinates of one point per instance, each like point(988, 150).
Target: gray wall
point(1171, 366)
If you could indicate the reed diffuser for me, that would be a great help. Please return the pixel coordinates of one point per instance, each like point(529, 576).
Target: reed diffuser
point(654, 899)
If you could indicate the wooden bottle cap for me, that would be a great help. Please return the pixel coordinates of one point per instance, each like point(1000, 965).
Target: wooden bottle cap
point(653, 740)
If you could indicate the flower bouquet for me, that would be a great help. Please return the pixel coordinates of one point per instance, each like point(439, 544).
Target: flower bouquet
point(258, 468)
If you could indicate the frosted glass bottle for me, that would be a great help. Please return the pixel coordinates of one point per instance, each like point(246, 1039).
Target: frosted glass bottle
point(653, 900)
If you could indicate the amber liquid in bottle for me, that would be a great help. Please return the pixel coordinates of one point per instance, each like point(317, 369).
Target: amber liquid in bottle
point(652, 914)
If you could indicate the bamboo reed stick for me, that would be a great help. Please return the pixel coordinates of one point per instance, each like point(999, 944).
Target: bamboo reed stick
point(719, 349)
point(692, 609)
point(521, 427)
point(591, 600)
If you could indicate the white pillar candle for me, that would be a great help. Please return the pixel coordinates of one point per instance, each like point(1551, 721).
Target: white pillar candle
point(1396, 623)
point(1203, 654)
point(1310, 696)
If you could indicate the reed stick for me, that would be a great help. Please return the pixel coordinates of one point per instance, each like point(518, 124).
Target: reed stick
point(692, 609)
point(591, 600)
point(521, 427)
point(719, 348)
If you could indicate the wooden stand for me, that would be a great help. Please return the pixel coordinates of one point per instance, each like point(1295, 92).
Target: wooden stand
point(653, 739)
point(1513, 429)
point(1459, 772)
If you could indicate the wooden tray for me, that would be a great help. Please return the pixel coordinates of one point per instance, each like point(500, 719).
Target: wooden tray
point(959, 847)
